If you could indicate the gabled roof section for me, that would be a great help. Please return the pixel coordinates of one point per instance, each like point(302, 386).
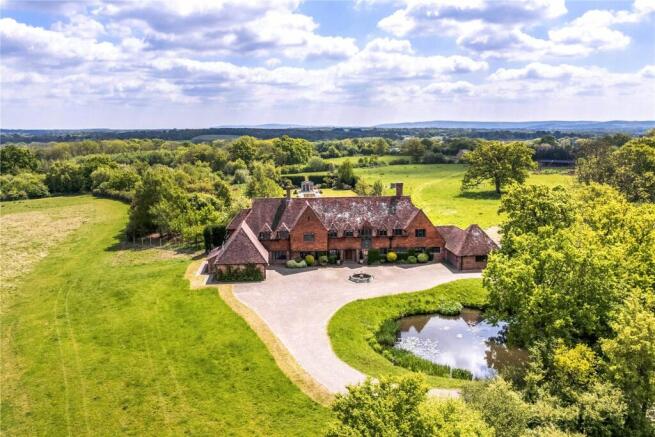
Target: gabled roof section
point(242, 247)
point(335, 213)
point(238, 219)
point(283, 227)
point(266, 228)
point(472, 241)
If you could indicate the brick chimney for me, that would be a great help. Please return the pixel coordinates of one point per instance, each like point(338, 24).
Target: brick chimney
point(399, 188)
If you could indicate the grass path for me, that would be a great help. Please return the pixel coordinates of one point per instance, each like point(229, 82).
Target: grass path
point(101, 341)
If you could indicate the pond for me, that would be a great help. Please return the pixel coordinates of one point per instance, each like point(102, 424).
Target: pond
point(465, 341)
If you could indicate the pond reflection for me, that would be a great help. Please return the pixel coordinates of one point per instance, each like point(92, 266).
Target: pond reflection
point(465, 341)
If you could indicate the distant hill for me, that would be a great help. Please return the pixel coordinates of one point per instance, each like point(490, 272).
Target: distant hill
point(578, 126)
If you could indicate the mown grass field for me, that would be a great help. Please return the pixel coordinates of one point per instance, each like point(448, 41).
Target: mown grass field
point(436, 189)
point(102, 341)
point(352, 326)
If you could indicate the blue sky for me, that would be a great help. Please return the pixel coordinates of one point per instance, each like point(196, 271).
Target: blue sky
point(192, 63)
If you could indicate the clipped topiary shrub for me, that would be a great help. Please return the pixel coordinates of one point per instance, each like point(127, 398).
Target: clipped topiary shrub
point(293, 264)
point(411, 259)
point(323, 260)
point(309, 259)
point(332, 259)
point(373, 256)
point(423, 257)
point(392, 257)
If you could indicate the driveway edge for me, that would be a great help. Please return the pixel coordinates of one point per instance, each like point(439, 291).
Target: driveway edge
point(283, 358)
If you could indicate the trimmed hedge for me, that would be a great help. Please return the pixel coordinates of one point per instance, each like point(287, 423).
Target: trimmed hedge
point(423, 257)
point(232, 274)
point(392, 257)
point(293, 264)
point(309, 259)
point(373, 256)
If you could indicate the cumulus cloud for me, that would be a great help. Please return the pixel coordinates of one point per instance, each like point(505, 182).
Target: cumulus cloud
point(500, 28)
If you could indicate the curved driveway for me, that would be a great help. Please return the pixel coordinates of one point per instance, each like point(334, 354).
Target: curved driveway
point(298, 304)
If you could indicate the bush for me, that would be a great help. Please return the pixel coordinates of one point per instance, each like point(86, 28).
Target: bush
point(22, 186)
point(450, 308)
point(423, 257)
point(248, 273)
point(332, 259)
point(293, 264)
point(309, 259)
point(373, 256)
point(323, 260)
point(392, 257)
point(411, 259)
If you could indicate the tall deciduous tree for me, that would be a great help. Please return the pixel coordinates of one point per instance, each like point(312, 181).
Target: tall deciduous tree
point(14, 159)
point(499, 162)
point(263, 182)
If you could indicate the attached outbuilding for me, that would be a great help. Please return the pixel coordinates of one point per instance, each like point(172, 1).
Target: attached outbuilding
point(467, 249)
point(242, 249)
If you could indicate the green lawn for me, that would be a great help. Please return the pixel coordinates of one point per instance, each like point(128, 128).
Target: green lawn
point(436, 189)
point(352, 326)
point(98, 340)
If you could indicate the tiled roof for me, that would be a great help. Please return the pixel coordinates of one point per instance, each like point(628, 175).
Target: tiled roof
point(242, 247)
point(470, 242)
point(337, 213)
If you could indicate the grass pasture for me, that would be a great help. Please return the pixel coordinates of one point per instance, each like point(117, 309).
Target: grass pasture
point(436, 189)
point(102, 341)
point(352, 326)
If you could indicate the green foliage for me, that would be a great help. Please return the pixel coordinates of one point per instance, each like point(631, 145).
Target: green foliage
point(22, 186)
point(411, 259)
point(263, 182)
point(293, 264)
point(248, 273)
point(362, 188)
point(453, 418)
point(387, 333)
point(214, 236)
point(373, 256)
point(423, 257)
point(630, 168)
point(449, 308)
point(378, 188)
point(389, 407)
point(292, 150)
point(414, 148)
point(345, 174)
point(501, 407)
point(500, 162)
point(65, 177)
point(14, 159)
point(309, 259)
point(243, 148)
point(392, 257)
point(323, 260)
point(114, 181)
point(408, 360)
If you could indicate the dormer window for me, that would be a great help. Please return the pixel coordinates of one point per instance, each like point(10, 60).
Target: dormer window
point(365, 233)
point(283, 235)
point(382, 232)
point(332, 233)
point(398, 232)
point(348, 233)
point(264, 235)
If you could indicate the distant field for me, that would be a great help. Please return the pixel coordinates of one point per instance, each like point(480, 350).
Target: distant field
point(436, 189)
point(354, 159)
point(99, 340)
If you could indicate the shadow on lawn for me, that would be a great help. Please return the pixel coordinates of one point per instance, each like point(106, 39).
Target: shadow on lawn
point(121, 243)
point(479, 195)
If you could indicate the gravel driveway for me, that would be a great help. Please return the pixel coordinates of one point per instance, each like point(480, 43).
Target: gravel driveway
point(297, 306)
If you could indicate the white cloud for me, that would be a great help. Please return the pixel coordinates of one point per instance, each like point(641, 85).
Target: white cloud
point(500, 28)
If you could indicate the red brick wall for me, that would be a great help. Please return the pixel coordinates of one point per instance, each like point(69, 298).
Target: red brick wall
point(469, 263)
point(432, 237)
point(308, 222)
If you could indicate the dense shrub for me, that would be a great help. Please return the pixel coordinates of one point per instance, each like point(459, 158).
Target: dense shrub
point(22, 186)
point(423, 257)
point(400, 161)
point(248, 273)
point(309, 259)
point(293, 264)
point(392, 257)
point(323, 260)
point(450, 308)
point(332, 259)
point(373, 256)
point(411, 259)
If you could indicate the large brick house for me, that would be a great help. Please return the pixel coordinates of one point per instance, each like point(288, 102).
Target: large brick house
point(343, 227)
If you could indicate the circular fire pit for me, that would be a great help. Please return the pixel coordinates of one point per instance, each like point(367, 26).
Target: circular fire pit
point(360, 278)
